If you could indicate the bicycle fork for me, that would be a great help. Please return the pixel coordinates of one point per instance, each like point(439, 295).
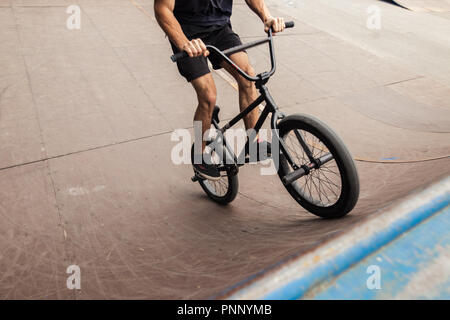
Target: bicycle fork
point(304, 169)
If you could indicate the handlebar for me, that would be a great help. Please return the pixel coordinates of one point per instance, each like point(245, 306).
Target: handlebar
point(224, 54)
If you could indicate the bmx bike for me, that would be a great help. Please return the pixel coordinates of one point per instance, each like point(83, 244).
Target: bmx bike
point(314, 164)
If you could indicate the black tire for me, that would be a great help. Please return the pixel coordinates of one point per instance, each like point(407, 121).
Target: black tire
point(343, 161)
point(230, 187)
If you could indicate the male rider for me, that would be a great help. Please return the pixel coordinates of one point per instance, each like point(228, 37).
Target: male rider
point(190, 24)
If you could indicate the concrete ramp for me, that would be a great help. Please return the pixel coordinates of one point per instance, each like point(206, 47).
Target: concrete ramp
point(425, 5)
point(86, 119)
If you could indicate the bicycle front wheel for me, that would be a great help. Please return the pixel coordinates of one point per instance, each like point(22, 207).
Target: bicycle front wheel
point(330, 190)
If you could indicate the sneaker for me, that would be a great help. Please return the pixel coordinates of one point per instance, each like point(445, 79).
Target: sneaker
point(207, 171)
point(261, 145)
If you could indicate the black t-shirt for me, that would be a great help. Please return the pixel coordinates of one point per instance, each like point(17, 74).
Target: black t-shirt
point(192, 31)
point(204, 13)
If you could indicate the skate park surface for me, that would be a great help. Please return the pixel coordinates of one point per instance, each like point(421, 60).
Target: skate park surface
point(86, 119)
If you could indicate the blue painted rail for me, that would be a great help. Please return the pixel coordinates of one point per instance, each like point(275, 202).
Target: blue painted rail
point(388, 256)
point(414, 266)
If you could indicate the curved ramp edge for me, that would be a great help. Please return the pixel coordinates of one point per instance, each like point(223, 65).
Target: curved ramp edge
point(424, 5)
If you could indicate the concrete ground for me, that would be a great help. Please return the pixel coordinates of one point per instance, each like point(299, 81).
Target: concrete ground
point(86, 118)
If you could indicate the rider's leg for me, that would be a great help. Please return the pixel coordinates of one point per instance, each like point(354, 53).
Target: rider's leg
point(206, 94)
point(247, 94)
point(247, 90)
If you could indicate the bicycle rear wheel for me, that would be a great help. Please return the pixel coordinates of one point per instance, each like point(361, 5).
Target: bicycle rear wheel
point(332, 189)
point(225, 189)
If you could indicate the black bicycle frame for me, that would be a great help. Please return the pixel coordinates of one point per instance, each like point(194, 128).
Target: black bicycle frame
point(260, 81)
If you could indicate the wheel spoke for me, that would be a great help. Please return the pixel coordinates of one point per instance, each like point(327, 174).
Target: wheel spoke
point(321, 186)
point(219, 187)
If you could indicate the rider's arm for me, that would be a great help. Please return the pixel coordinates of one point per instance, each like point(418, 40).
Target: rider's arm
point(166, 19)
point(260, 8)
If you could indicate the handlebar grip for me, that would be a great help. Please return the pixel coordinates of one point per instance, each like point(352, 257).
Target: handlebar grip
point(178, 56)
point(289, 24)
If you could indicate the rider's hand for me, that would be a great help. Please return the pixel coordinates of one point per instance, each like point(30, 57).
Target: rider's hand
point(277, 24)
point(195, 48)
